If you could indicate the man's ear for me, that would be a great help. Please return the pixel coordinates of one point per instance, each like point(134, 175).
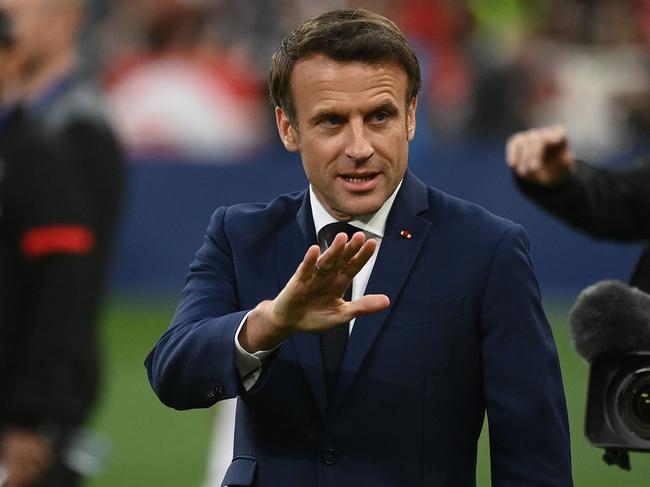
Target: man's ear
point(288, 134)
point(410, 119)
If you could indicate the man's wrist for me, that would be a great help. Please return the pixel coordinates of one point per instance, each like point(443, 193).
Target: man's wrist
point(260, 332)
point(249, 365)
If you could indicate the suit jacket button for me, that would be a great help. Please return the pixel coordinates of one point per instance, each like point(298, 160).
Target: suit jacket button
point(329, 457)
point(215, 392)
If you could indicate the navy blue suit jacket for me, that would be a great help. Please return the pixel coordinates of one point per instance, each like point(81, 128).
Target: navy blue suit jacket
point(465, 333)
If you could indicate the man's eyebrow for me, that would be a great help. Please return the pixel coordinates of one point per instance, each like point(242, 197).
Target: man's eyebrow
point(387, 106)
point(324, 115)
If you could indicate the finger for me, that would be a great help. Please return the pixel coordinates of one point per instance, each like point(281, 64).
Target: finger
point(512, 149)
point(535, 152)
point(306, 268)
point(528, 150)
point(357, 261)
point(519, 153)
point(557, 150)
point(556, 135)
point(365, 305)
point(522, 153)
point(351, 248)
point(328, 260)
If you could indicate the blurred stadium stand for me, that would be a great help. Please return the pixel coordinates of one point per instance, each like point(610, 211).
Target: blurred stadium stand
point(169, 206)
point(490, 67)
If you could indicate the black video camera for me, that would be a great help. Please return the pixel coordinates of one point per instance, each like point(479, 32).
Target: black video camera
point(610, 329)
point(618, 405)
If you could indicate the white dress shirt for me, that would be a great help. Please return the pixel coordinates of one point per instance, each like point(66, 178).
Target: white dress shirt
point(249, 365)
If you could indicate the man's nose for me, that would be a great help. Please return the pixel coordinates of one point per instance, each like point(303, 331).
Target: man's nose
point(358, 145)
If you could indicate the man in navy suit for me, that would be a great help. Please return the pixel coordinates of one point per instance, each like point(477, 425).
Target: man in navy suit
point(387, 387)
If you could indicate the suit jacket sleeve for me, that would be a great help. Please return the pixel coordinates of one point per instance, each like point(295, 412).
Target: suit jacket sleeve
point(204, 326)
point(528, 426)
point(601, 202)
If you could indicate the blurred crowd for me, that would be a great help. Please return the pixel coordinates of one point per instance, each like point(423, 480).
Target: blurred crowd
point(186, 78)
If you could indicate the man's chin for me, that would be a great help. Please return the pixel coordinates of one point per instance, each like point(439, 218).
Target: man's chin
point(350, 206)
point(362, 210)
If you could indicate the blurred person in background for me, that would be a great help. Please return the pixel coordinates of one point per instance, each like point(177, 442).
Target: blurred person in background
point(489, 68)
point(605, 203)
point(591, 73)
point(59, 236)
point(71, 107)
point(47, 352)
point(440, 31)
point(180, 90)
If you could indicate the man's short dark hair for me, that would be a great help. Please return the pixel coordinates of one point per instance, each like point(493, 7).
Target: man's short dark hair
point(343, 35)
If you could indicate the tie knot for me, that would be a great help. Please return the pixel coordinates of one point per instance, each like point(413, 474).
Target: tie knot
point(331, 230)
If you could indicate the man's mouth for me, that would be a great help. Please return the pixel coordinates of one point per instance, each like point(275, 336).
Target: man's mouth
point(359, 182)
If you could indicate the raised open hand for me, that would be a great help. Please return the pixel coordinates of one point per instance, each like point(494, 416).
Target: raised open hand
point(312, 301)
point(540, 155)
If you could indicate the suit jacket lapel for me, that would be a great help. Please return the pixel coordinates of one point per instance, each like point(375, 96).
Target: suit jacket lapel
point(395, 260)
point(293, 242)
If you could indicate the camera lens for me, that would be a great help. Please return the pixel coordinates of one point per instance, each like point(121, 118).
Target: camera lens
point(634, 403)
point(641, 401)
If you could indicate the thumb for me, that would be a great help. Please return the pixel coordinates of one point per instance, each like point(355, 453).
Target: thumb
point(365, 305)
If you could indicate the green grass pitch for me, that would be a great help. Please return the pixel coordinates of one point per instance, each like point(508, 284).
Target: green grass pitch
point(152, 445)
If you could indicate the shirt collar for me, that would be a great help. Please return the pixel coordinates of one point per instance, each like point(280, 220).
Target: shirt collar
point(374, 223)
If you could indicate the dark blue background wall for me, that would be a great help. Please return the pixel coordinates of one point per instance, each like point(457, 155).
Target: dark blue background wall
point(169, 205)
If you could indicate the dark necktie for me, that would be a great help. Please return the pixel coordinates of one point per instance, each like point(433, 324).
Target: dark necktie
point(334, 341)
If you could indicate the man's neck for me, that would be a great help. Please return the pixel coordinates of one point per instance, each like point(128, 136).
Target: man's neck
point(10, 95)
point(374, 223)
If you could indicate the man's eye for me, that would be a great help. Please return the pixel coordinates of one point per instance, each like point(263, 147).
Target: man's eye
point(332, 120)
point(380, 117)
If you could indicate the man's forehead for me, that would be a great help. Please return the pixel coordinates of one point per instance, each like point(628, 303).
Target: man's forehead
point(321, 73)
point(320, 60)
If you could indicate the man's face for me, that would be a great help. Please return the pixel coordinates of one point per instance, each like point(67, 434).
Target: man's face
point(353, 130)
point(33, 23)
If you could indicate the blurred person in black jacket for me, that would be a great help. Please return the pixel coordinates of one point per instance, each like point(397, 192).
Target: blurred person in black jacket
point(70, 106)
point(46, 367)
point(60, 186)
point(605, 203)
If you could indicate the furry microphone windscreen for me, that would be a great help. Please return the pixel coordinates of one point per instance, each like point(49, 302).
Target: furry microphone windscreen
point(610, 316)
